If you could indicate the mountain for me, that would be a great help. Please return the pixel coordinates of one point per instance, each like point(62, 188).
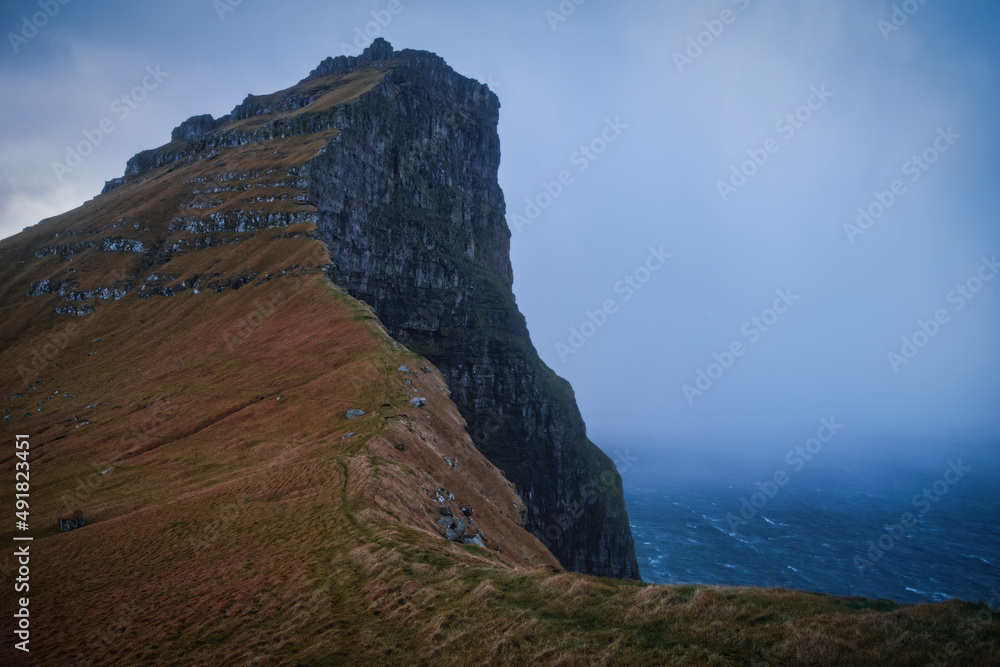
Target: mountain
point(406, 199)
point(277, 373)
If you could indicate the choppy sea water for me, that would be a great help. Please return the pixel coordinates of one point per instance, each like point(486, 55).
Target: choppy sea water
point(906, 530)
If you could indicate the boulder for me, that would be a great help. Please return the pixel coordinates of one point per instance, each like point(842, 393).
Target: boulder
point(476, 539)
point(454, 528)
point(72, 521)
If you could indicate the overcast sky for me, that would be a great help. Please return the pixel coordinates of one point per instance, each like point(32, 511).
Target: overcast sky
point(739, 138)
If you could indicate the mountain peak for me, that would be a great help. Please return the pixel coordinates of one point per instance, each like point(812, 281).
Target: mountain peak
point(377, 50)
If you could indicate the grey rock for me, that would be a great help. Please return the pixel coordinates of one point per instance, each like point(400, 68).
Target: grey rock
point(72, 521)
point(403, 369)
point(454, 528)
point(353, 413)
point(194, 127)
point(476, 539)
point(418, 402)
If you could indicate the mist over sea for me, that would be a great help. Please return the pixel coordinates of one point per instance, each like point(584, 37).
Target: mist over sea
point(917, 523)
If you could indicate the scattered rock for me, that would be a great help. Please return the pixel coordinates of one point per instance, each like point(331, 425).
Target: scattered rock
point(441, 495)
point(467, 511)
point(445, 511)
point(352, 413)
point(349, 435)
point(403, 369)
point(454, 528)
point(73, 520)
point(400, 447)
point(476, 539)
point(450, 461)
point(418, 402)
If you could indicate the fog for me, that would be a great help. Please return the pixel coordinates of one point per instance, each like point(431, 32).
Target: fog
point(730, 220)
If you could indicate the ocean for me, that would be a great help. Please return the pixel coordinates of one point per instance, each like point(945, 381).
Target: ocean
point(909, 528)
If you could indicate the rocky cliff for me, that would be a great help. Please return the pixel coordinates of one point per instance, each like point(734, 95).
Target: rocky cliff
point(413, 215)
point(405, 196)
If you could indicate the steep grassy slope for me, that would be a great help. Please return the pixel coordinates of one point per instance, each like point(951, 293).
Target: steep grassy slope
point(184, 368)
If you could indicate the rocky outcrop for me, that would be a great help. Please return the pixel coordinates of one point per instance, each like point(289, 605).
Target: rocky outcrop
point(413, 215)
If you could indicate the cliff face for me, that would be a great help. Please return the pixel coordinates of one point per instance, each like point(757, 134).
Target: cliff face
point(404, 193)
point(413, 215)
